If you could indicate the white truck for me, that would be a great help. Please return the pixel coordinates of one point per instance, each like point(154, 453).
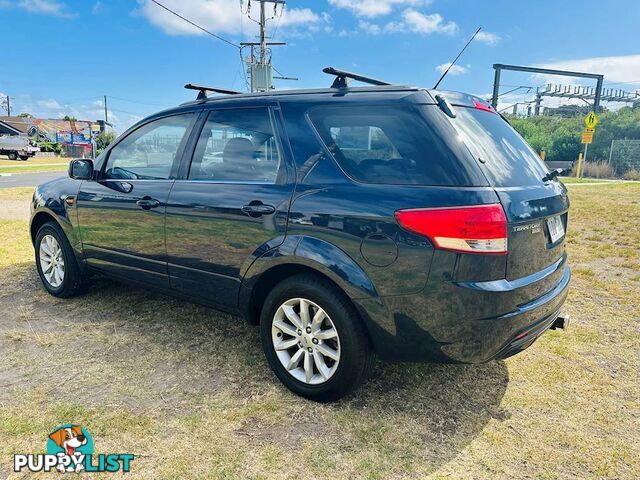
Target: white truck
point(17, 146)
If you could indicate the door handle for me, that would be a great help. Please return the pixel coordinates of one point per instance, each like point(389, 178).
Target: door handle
point(147, 203)
point(257, 209)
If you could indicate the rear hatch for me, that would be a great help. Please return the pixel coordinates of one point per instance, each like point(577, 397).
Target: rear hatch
point(535, 206)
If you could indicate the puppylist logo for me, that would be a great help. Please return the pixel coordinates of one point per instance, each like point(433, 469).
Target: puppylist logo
point(70, 449)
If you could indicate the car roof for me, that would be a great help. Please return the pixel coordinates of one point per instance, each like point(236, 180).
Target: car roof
point(307, 92)
point(369, 93)
point(385, 92)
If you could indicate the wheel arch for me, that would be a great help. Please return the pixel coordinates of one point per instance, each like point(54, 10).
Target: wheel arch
point(296, 256)
point(39, 219)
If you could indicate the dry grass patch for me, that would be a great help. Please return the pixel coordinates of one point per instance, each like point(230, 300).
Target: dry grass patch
point(187, 390)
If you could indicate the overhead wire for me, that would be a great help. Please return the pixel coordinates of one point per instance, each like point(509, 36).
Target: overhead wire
point(195, 24)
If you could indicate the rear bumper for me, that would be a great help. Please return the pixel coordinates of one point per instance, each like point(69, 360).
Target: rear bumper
point(439, 325)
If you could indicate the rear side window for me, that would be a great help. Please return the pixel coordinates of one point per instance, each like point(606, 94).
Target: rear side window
point(237, 146)
point(387, 145)
point(507, 159)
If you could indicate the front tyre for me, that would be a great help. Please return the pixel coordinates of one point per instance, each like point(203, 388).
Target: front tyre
point(56, 262)
point(313, 338)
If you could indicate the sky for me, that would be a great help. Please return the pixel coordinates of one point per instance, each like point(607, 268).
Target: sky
point(61, 57)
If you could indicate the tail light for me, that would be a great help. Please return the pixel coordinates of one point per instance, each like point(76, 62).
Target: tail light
point(475, 229)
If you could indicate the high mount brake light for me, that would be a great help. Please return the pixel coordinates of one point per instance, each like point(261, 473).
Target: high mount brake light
point(481, 106)
point(480, 229)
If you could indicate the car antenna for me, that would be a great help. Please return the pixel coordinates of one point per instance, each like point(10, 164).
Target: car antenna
point(202, 95)
point(456, 59)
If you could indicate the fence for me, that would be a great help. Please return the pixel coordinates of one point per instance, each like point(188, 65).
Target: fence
point(624, 156)
point(76, 151)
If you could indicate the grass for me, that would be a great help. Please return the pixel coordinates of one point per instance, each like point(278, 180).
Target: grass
point(33, 169)
point(34, 164)
point(5, 162)
point(186, 389)
point(566, 180)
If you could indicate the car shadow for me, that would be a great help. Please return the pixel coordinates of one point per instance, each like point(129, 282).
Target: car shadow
point(151, 353)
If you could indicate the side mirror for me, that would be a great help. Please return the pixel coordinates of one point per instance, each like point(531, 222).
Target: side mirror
point(81, 169)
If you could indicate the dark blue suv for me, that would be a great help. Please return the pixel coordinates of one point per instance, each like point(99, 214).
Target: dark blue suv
point(409, 223)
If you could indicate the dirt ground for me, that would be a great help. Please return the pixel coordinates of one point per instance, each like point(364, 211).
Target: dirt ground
point(186, 389)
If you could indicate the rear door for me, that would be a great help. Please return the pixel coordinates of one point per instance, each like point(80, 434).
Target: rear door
point(231, 204)
point(536, 208)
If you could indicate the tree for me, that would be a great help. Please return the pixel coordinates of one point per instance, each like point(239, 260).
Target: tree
point(560, 137)
point(25, 115)
point(47, 146)
point(70, 118)
point(103, 140)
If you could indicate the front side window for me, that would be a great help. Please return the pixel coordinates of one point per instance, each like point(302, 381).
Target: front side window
point(387, 145)
point(149, 152)
point(237, 146)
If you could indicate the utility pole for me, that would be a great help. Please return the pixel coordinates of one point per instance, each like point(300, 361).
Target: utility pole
point(7, 105)
point(263, 34)
point(261, 69)
point(106, 116)
point(538, 102)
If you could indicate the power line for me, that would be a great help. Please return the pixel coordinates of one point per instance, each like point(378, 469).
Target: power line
point(517, 88)
point(242, 65)
point(275, 29)
point(137, 101)
point(622, 83)
point(196, 25)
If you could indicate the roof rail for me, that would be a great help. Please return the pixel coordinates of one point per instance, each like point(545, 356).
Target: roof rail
point(342, 78)
point(202, 95)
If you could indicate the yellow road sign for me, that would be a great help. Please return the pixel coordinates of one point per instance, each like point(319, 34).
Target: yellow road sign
point(591, 120)
point(587, 137)
point(589, 130)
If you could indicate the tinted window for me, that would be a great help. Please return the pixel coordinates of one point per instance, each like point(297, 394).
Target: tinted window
point(508, 159)
point(387, 145)
point(237, 146)
point(150, 151)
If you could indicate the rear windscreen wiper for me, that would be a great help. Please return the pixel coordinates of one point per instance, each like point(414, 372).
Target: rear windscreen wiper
point(553, 174)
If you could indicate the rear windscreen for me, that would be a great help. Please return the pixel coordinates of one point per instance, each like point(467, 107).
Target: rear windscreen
point(507, 159)
point(388, 145)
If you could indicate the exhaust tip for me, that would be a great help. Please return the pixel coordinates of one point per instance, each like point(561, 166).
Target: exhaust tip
point(561, 322)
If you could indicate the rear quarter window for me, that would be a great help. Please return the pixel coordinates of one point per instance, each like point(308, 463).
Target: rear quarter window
point(507, 159)
point(388, 145)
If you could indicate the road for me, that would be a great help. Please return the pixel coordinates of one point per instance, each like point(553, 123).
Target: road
point(27, 179)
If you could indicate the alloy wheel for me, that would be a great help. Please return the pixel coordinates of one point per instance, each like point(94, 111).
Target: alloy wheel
point(305, 341)
point(51, 261)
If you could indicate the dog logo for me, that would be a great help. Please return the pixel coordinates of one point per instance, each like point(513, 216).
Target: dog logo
point(70, 449)
point(67, 440)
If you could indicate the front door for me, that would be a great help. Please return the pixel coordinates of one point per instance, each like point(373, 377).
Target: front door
point(121, 215)
point(230, 207)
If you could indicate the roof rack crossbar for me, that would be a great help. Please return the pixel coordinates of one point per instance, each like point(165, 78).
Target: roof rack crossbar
point(342, 78)
point(202, 95)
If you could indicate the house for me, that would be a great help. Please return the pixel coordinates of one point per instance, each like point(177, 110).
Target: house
point(13, 126)
point(74, 135)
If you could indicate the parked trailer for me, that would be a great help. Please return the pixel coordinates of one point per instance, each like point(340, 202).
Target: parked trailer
point(17, 146)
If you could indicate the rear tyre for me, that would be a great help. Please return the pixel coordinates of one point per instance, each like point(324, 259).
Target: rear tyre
point(56, 262)
point(314, 339)
point(12, 155)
